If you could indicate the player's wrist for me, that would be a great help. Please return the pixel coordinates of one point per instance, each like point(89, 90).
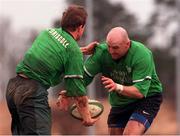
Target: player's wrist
point(119, 88)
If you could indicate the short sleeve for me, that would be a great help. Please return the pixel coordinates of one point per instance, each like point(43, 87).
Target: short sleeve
point(92, 66)
point(74, 73)
point(75, 87)
point(74, 64)
point(142, 71)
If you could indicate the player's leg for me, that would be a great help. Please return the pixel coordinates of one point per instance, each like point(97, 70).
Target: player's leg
point(33, 109)
point(115, 131)
point(134, 128)
point(28, 104)
point(117, 120)
point(15, 123)
point(144, 115)
point(35, 117)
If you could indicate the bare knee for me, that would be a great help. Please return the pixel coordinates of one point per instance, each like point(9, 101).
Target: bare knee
point(134, 128)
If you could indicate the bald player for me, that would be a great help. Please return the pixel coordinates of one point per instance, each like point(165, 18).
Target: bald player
point(129, 75)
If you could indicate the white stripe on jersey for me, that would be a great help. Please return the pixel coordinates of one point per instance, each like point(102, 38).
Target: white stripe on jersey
point(87, 72)
point(73, 76)
point(140, 80)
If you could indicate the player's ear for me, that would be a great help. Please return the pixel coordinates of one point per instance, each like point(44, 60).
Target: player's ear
point(128, 43)
point(79, 28)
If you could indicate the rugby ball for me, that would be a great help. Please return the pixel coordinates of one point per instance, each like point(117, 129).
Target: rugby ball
point(95, 107)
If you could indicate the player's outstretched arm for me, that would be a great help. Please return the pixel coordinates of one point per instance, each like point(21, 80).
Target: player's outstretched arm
point(82, 106)
point(63, 102)
point(89, 49)
point(130, 91)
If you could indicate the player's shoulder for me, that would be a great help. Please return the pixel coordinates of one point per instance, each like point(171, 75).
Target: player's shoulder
point(47, 32)
point(139, 50)
point(140, 47)
point(102, 46)
point(137, 44)
point(101, 49)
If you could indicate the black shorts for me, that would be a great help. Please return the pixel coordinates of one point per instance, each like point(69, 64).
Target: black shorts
point(143, 111)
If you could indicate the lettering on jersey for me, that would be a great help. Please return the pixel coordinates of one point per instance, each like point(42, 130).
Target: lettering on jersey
point(122, 77)
point(128, 69)
point(58, 37)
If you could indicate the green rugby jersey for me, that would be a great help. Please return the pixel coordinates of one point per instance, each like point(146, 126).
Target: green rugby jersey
point(54, 55)
point(135, 68)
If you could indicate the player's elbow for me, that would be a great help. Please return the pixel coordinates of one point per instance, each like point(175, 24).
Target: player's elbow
point(139, 95)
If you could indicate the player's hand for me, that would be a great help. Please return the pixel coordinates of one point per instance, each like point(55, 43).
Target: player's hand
point(63, 101)
point(91, 122)
point(89, 49)
point(108, 83)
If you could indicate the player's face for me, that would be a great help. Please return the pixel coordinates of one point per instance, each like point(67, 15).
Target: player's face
point(117, 50)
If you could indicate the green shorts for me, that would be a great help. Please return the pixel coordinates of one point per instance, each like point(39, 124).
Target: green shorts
point(28, 104)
